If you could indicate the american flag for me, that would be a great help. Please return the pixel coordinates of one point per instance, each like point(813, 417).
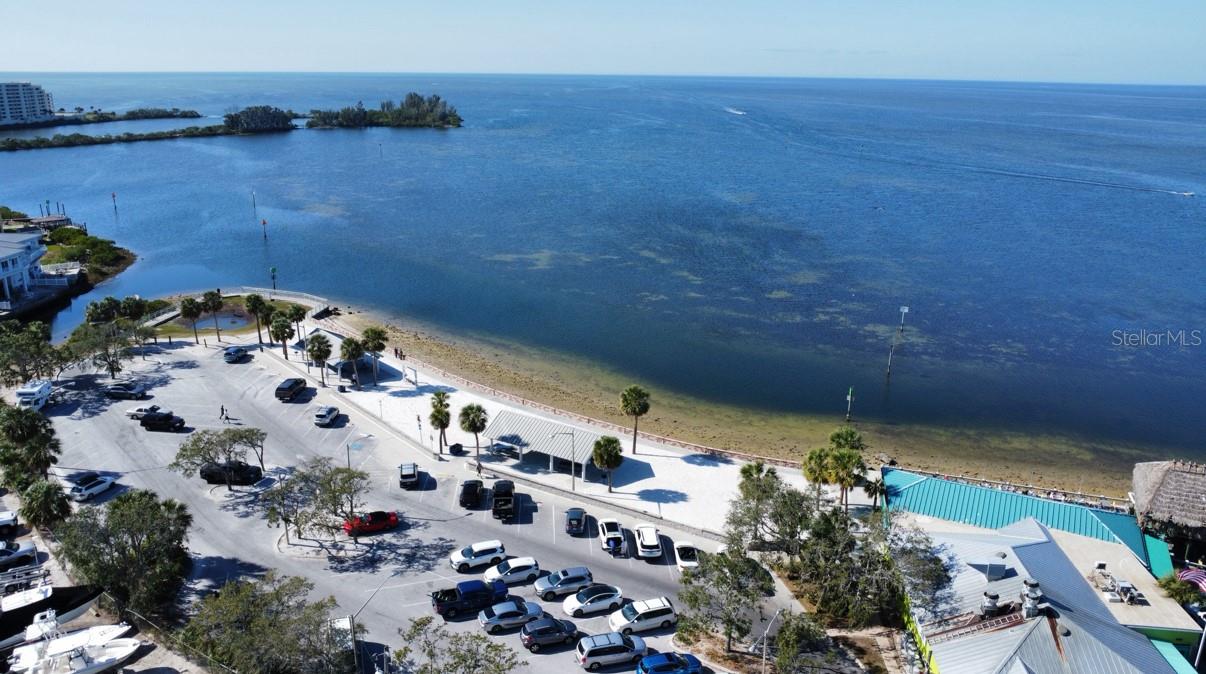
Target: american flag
point(1195, 576)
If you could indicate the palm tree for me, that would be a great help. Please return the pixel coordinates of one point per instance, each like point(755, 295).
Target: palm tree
point(439, 399)
point(265, 315)
point(281, 330)
point(44, 504)
point(28, 441)
point(373, 339)
point(847, 437)
point(297, 314)
point(440, 419)
point(816, 469)
point(876, 490)
point(318, 348)
point(634, 402)
point(846, 469)
point(255, 304)
point(607, 455)
point(190, 310)
point(212, 303)
point(351, 351)
point(473, 420)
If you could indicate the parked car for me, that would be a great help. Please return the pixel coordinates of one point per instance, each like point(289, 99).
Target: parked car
point(479, 554)
point(408, 475)
point(504, 488)
point(143, 410)
point(648, 541)
point(561, 582)
point(609, 649)
point(325, 415)
point(80, 478)
point(575, 521)
point(502, 506)
point(371, 523)
point(686, 555)
point(598, 597)
point(470, 595)
point(471, 493)
point(643, 615)
point(234, 354)
point(8, 523)
point(518, 570)
point(508, 614)
point(125, 391)
point(15, 553)
point(82, 491)
point(240, 473)
point(290, 388)
point(670, 663)
point(610, 530)
point(547, 631)
point(161, 421)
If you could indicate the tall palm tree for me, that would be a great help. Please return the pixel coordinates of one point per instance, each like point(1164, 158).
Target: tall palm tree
point(440, 419)
point(876, 490)
point(212, 303)
point(816, 469)
point(351, 351)
point(634, 402)
point(281, 330)
point(255, 305)
point(473, 420)
point(266, 313)
point(607, 455)
point(44, 504)
point(319, 350)
point(297, 314)
point(439, 399)
point(28, 441)
point(191, 310)
point(373, 339)
point(846, 469)
point(847, 437)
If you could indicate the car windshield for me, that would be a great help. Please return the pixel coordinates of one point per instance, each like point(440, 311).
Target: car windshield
point(628, 612)
point(504, 567)
point(555, 577)
point(489, 612)
point(467, 551)
point(687, 554)
point(627, 640)
point(11, 546)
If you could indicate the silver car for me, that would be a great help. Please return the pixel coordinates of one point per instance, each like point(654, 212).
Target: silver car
point(562, 582)
point(15, 554)
point(508, 614)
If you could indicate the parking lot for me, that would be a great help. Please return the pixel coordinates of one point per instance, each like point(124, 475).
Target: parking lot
point(390, 582)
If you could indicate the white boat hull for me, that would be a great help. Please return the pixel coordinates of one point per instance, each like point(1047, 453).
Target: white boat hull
point(89, 659)
point(26, 658)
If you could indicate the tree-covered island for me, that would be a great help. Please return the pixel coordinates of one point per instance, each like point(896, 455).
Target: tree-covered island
point(103, 116)
point(412, 111)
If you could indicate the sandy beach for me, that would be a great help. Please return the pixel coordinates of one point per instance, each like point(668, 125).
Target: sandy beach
point(580, 387)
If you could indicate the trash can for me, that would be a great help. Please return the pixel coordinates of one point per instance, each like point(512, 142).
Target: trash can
point(343, 389)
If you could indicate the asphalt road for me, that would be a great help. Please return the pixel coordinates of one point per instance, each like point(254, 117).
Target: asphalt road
point(383, 587)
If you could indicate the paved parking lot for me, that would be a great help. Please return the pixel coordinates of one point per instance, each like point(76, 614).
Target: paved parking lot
point(389, 583)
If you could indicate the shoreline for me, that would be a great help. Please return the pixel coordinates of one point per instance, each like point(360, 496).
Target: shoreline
point(580, 387)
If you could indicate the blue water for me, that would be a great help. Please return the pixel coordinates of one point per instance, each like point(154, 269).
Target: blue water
point(746, 241)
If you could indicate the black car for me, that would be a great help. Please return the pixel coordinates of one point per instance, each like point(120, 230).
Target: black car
point(547, 631)
point(240, 473)
point(288, 389)
point(575, 521)
point(161, 421)
point(125, 391)
point(234, 354)
point(504, 488)
point(471, 493)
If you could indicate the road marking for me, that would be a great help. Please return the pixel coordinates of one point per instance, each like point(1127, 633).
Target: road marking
point(554, 525)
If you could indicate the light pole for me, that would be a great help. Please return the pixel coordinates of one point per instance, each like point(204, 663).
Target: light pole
point(764, 633)
point(903, 310)
point(849, 403)
point(573, 457)
point(272, 272)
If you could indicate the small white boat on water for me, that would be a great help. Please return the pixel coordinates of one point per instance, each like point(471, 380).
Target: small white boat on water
point(88, 659)
point(56, 643)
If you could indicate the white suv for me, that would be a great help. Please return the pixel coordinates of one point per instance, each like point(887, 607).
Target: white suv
point(648, 541)
point(485, 553)
point(643, 615)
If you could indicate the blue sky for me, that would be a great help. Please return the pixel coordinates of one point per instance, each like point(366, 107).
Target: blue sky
point(1040, 40)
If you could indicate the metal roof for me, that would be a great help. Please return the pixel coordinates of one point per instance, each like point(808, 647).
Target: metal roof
point(536, 434)
point(995, 508)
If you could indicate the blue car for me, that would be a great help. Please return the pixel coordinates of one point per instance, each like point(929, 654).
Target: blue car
point(670, 663)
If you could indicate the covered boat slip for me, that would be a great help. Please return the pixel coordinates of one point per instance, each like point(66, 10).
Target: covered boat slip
point(535, 435)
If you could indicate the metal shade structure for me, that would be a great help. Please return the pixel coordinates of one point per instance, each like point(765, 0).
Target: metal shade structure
point(534, 434)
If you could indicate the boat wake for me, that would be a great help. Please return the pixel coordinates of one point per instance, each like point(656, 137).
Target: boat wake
point(1078, 181)
point(734, 111)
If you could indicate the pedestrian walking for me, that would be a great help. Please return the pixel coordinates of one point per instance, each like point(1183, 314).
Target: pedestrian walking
point(222, 414)
point(624, 547)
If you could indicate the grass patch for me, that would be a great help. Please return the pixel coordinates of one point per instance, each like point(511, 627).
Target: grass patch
point(235, 308)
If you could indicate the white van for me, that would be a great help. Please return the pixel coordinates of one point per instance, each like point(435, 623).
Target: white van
point(34, 394)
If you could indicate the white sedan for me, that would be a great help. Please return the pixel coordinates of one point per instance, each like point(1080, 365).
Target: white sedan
point(593, 599)
point(91, 487)
point(143, 410)
point(686, 555)
point(518, 570)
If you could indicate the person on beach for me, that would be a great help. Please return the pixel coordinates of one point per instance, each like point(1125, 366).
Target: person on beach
point(222, 413)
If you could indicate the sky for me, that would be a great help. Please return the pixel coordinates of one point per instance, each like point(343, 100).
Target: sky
point(1120, 41)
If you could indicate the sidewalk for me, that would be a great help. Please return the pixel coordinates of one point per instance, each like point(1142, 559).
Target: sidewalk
point(662, 482)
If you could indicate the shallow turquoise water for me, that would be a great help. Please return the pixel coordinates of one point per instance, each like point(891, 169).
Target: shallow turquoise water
point(743, 240)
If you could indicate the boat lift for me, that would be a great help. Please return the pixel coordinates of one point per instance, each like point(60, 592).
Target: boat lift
point(23, 578)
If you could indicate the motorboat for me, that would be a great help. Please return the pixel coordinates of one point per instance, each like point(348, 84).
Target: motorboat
point(20, 610)
point(87, 659)
point(54, 643)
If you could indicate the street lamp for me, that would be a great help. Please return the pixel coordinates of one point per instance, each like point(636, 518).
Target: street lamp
point(272, 272)
point(764, 633)
point(573, 457)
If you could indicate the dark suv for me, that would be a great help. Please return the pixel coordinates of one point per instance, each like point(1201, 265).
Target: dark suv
point(161, 421)
point(288, 389)
point(240, 473)
point(471, 493)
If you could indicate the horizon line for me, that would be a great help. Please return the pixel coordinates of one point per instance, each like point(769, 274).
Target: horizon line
point(592, 74)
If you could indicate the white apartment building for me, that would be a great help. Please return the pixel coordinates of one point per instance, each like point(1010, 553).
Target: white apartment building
point(24, 103)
